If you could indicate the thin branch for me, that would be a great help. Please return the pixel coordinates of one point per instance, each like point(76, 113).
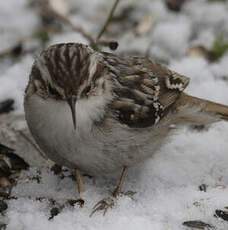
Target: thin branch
point(108, 20)
point(48, 10)
point(75, 28)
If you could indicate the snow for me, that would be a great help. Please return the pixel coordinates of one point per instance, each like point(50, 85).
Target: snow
point(166, 186)
point(17, 22)
point(176, 42)
point(204, 77)
point(14, 80)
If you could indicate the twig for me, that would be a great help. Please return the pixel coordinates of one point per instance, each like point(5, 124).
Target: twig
point(108, 20)
point(75, 28)
point(92, 41)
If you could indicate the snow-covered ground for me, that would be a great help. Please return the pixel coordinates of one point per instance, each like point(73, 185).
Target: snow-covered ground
point(167, 186)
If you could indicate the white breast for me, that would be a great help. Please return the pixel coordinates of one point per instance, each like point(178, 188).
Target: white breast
point(89, 111)
point(51, 124)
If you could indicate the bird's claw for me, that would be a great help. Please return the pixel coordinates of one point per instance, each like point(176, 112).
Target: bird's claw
point(103, 205)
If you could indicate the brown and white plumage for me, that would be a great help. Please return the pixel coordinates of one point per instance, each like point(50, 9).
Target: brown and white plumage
point(122, 107)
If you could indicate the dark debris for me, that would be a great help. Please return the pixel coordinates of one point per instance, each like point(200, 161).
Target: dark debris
point(52, 201)
point(10, 162)
point(197, 224)
point(36, 178)
point(10, 165)
point(203, 187)
point(56, 169)
point(71, 202)
point(221, 214)
point(14, 52)
point(2, 226)
point(17, 50)
point(54, 212)
point(175, 5)
point(6, 106)
point(113, 45)
point(3, 206)
point(199, 128)
point(5, 192)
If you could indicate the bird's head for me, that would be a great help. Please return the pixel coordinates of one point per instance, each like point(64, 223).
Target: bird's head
point(71, 72)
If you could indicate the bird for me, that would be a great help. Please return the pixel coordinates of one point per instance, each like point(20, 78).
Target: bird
point(100, 113)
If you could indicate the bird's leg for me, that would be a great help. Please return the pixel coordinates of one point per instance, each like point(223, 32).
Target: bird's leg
point(80, 187)
point(118, 188)
point(109, 202)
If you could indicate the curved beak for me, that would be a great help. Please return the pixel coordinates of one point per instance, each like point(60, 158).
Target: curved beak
point(72, 103)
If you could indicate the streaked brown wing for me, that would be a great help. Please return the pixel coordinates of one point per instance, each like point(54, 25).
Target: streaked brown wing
point(144, 90)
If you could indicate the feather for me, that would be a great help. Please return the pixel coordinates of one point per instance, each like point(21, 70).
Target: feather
point(199, 111)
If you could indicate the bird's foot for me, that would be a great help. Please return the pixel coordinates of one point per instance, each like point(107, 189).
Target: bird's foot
point(109, 202)
point(104, 205)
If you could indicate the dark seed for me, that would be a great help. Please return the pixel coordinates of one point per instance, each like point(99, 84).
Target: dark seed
point(6, 106)
point(222, 214)
point(37, 178)
point(175, 5)
point(80, 202)
point(199, 128)
point(72, 202)
point(16, 162)
point(197, 224)
point(52, 201)
point(5, 169)
point(3, 206)
point(5, 192)
point(40, 198)
point(87, 175)
point(203, 187)
point(56, 169)
point(113, 45)
point(17, 50)
point(2, 226)
point(54, 212)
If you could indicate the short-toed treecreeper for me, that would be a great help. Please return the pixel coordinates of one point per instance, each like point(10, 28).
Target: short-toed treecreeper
point(100, 113)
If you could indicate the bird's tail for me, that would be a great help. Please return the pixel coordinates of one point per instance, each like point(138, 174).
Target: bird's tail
point(199, 111)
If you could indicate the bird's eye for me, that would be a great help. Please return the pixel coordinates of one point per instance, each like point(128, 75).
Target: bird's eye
point(52, 90)
point(87, 90)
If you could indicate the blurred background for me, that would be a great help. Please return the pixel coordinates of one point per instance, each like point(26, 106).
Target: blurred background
point(185, 185)
point(191, 36)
